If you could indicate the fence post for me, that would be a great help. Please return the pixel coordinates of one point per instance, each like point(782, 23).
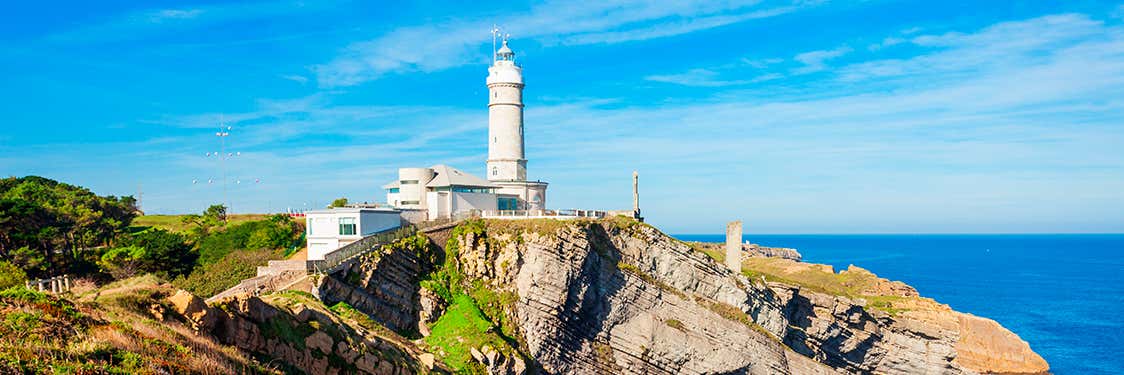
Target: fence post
point(66, 281)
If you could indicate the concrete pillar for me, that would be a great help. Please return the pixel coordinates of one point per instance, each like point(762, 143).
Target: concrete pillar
point(734, 246)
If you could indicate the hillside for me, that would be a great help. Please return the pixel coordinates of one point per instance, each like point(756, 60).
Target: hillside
point(143, 326)
point(175, 223)
point(521, 297)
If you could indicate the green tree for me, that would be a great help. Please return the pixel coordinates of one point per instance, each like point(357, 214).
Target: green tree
point(167, 254)
point(215, 213)
point(65, 223)
point(11, 275)
point(124, 262)
point(339, 202)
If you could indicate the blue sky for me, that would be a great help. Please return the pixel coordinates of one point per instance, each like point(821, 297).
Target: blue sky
point(796, 117)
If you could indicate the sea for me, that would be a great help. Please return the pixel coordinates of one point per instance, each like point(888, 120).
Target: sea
point(1062, 293)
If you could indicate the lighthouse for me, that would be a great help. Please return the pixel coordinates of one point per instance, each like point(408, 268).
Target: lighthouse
point(507, 162)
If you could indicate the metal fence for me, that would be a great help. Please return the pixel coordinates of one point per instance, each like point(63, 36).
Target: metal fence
point(551, 214)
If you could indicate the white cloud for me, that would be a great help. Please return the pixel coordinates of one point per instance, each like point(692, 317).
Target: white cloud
point(440, 46)
point(295, 78)
point(173, 14)
point(887, 42)
point(815, 61)
point(987, 122)
point(145, 23)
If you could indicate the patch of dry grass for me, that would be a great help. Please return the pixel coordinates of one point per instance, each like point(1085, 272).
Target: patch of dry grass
point(110, 330)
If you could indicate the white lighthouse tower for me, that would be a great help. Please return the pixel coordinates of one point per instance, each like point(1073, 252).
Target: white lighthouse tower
point(507, 163)
point(506, 160)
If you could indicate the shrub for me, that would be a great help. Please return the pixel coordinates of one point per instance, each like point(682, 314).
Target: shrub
point(228, 271)
point(123, 262)
point(10, 275)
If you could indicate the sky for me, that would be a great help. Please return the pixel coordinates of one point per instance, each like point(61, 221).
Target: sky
point(795, 117)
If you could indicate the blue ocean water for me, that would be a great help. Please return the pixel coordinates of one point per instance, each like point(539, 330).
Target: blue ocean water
point(1064, 294)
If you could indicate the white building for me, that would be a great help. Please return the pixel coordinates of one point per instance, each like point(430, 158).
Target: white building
point(442, 191)
point(334, 228)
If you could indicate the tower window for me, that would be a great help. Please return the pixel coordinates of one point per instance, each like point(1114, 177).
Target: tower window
point(495, 171)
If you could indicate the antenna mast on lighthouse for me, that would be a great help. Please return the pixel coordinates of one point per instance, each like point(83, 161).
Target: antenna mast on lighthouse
point(495, 32)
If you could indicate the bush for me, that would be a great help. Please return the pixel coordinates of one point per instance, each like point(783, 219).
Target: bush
point(228, 271)
point(275, 233)
point(167, 254)
point(10, 275)
point(123, 262)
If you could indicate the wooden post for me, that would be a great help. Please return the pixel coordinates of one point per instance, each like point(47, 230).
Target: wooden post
point(66, 281)
point(40, 282)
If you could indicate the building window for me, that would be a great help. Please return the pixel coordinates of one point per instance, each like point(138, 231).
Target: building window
point(407, 203)
point(466, 189)
point(495, 171)
point(347, 226)
point(408, 182)
point(507, 203)
point(392, 190)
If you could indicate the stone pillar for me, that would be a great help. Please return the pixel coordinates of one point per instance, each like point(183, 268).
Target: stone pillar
point(734, 246)
point(636, 195)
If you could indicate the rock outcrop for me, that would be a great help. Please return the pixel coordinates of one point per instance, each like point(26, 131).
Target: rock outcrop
point(297, 331)
point(616, 296)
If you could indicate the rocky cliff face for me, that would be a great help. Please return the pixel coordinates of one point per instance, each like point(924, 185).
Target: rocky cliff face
point(296, 332)
point(616, 296)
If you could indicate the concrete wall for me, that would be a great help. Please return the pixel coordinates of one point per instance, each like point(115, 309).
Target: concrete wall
point(526, 192)
point(413, 192)
point(734, 246)
point(473, 201)
point(371, 222)
point(437, 204)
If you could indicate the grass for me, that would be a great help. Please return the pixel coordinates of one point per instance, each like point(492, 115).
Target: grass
point(111, 331)
point(818, 278)
point(631, 269)
point(461, 328)
point(175, 223)
point(734, 314)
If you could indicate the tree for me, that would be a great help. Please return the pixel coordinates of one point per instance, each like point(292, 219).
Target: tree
point(215, 213)
point(166, 253)
point(64, 224)
point(124, 262)
point(339, 202)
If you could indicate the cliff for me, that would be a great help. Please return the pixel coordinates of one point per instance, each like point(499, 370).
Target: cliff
point(517, 297)
point(619, 296)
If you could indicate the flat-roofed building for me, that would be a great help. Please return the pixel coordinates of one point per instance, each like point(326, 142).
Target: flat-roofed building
point(333, 228)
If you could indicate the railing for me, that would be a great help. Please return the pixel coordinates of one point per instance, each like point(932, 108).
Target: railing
point(57, 284)
point(549, 214)
point(338, 256)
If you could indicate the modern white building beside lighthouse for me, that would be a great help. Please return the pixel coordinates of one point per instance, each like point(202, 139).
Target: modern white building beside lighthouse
point(441, 191)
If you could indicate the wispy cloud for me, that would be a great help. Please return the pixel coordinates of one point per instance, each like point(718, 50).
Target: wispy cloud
point(1028, 109)
point(815, 61)
point(144, 23)
point(706, 78)
point(441, 46)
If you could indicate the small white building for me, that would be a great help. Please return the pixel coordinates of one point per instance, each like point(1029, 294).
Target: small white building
point(441, 191)
point(333, 228)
